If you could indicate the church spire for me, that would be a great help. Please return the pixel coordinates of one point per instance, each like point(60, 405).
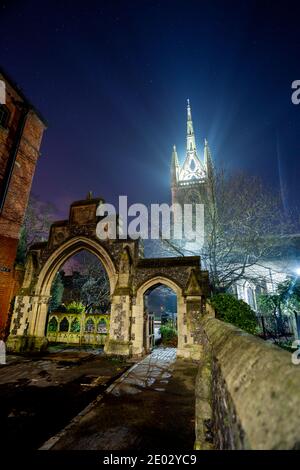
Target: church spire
point(207, 157)
point(174, 166)
point(192, 168)
point(190, 137)
point(175, 156)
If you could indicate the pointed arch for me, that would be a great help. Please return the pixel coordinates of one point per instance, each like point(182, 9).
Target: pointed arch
point(156, 281)
point(66, 251)
point(139, 306)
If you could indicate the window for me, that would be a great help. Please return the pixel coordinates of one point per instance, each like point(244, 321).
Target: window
point(75, 326)
point(52, 326)
point(64, 325)
point(4, 115)
point(90, 326)
point(251, 298)
point(102, 327)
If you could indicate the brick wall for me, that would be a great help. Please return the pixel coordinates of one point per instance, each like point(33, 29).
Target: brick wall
point(12, 214)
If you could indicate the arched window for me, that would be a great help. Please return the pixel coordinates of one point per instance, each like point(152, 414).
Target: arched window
point(52, 326)
point(251, 298)
point(102, 327)
point(4, 116)
point(89, 326)
point(75, 326)
point(64, 325)
point(249, 294)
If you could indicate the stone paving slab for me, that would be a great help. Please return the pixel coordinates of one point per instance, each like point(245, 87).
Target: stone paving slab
point(153, 369)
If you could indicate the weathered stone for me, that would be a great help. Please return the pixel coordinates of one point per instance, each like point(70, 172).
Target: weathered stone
point(254, 390)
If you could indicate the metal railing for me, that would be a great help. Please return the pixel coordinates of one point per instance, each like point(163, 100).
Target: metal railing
point(275, 326)
point(78, 328)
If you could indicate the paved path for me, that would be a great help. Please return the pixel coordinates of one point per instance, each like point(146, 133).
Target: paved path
point(154, 371)
point(150, 407)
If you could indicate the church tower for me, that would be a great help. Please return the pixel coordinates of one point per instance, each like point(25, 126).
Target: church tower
point(190, 182)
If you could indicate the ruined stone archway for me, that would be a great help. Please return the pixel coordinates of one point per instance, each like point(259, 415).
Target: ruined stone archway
point(38, 286)
point(130, 275)
point(46, 276)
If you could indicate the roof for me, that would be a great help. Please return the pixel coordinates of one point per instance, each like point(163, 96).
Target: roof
point(18, 89)
point(84, 202)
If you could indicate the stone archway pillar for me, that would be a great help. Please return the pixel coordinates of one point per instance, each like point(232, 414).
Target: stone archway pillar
point(38, 322)
point(119, 341)
point(137, 327)
point(27, 332)
point(189, 344)
point(181, 326)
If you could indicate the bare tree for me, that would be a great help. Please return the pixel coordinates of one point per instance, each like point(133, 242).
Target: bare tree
point(37, 221)
point(90, 283)
point(245, 224)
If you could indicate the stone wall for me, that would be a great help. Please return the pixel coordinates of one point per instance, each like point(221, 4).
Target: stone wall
point(247, 392)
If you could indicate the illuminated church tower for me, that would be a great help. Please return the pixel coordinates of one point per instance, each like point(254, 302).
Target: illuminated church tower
point(190, 182)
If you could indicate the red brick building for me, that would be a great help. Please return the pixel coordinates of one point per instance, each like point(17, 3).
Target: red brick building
point(21, 131)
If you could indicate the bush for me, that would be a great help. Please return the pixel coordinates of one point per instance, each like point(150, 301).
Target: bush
point(75, 307)
point(232, 310)
point(168, 335)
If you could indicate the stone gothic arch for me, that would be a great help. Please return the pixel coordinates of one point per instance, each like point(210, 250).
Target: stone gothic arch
point(65, 251)
point(130, 275)
point(31, 305)
point(139, 308)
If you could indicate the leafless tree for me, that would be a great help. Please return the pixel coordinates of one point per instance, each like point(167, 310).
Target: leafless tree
point(38, 219)
point(245, 224)
point(90, 283)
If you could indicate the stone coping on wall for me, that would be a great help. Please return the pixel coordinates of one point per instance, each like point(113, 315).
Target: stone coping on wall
point(191, 261)
point(255, 390)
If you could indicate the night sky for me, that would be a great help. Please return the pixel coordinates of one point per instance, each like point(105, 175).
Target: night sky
point(112, 79)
